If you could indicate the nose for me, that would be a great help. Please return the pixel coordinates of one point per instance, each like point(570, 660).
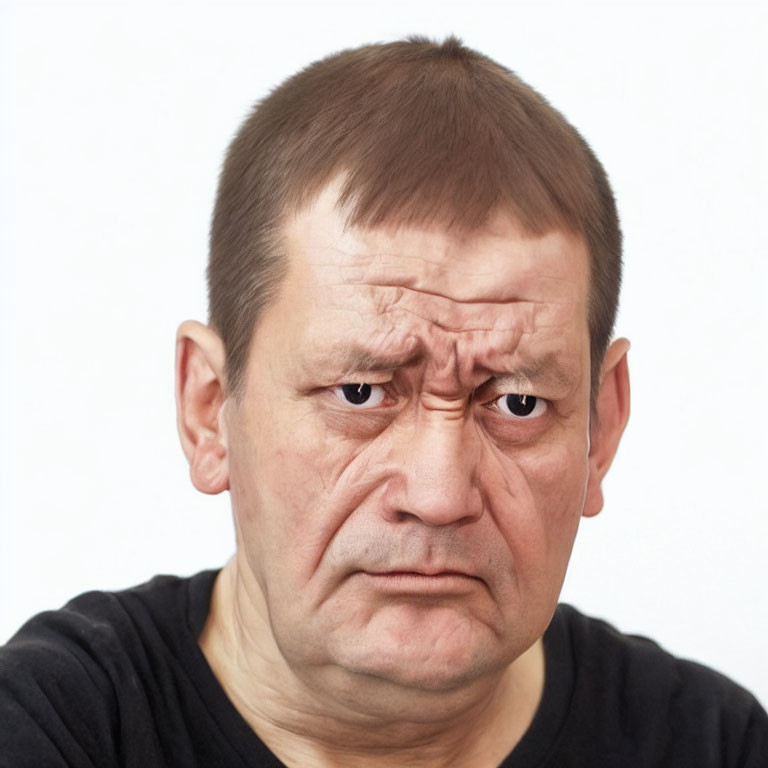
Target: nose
point(435, 474)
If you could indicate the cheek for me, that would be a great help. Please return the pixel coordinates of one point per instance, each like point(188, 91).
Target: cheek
point(293, 485)
point(536, 499)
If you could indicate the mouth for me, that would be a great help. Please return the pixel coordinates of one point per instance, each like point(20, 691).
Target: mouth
point(418, 582)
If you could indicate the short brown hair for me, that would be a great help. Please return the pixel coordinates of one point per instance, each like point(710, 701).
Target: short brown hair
point(425, 133)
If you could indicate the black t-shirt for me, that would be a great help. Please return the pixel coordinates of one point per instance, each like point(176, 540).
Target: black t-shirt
point(118, 679)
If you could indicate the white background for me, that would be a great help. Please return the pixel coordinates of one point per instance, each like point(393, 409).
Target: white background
point(114, 120)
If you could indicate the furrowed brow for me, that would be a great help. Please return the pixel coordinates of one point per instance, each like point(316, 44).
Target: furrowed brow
point(548, 370)
point(358, 358)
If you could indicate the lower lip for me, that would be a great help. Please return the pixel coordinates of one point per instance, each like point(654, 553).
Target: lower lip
point(410, 582)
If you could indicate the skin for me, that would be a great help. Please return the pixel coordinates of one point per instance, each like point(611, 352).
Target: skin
point(397, 564)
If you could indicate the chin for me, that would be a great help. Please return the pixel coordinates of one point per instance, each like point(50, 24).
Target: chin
point(423, 674)
point(440, 652)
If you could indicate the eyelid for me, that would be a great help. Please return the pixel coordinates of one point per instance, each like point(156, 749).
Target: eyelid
point(381, 378)
point(507, 385)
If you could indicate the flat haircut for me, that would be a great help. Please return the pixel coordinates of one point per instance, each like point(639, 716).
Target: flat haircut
point(424, 134)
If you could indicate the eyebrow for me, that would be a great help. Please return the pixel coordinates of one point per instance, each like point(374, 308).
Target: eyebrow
point(546, 370)
point(356, 357)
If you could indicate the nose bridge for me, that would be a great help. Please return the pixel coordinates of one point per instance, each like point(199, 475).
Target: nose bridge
point(438, 461)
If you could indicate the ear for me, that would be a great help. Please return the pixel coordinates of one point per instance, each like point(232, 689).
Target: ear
point(607, 422)
point(200, 398)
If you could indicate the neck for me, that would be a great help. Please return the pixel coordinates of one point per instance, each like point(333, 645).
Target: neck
point(325, 717)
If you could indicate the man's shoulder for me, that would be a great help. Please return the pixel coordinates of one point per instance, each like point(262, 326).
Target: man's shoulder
point(98, 623)
point(72, 678)
point(639, 694)
point(601, 648)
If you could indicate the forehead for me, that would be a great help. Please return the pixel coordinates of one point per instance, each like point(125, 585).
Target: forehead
point(402, 292)
point(500, 262)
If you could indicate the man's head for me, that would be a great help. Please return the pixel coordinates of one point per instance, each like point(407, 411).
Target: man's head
point(407, 430)
point(423, 134)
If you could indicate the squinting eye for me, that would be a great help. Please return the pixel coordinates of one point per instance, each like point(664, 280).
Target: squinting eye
point(360, 395)
point(521, 406)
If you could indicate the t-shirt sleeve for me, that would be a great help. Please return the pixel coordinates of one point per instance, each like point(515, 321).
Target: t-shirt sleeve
point(725, 723)
point(754, 752)
point(57, 706)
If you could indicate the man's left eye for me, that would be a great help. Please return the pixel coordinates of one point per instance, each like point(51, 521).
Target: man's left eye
point(360, 395)
point(521, 406)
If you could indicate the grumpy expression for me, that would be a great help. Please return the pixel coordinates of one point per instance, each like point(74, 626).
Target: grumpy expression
point(410, 457)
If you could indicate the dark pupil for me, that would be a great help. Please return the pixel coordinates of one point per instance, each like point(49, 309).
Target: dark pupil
point(357, 394)
point(521, 405)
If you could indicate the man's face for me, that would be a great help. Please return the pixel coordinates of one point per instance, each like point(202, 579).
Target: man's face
point(415, 526)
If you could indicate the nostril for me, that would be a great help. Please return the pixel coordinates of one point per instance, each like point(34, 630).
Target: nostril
point(433, 507)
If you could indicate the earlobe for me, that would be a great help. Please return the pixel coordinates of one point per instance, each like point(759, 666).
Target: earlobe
point(607, 422)
point(200, 400)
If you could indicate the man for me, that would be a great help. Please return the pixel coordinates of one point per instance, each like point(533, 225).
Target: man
point(408, 387)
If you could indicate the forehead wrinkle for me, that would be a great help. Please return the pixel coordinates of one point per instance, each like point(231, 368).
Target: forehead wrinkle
point(464, 301)
point(455, 316)
point(451, 284)
point(452, 269)
point(451, 279)
point(460, 330)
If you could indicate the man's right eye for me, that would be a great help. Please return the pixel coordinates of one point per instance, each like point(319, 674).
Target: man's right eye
point(360, 395)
